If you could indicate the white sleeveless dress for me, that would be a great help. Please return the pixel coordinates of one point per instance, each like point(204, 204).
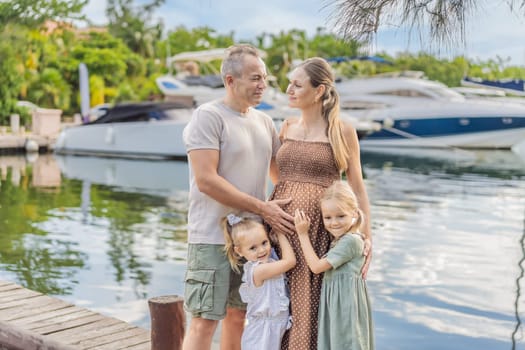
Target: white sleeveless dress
point(267, 315)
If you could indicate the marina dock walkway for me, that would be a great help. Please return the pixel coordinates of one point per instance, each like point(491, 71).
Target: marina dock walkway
point(19, 142)
point(32, 320)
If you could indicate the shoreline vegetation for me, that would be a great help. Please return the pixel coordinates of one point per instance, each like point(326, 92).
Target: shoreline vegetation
point(39, 57)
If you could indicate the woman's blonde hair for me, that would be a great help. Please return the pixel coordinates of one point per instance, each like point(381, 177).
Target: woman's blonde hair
point(342, 193)
point(320, 73)
point(232, 235)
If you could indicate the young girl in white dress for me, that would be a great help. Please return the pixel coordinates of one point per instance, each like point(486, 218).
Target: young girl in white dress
point(263, 285)
point(345, 314)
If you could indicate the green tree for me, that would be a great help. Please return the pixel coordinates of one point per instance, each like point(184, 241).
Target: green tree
point(448, 72)
point(200, 38)
point(32, 13)
point(106, 57)
point(328, 45)
point(283, 48)
point(133, 25)
point(13, 15)
point(11, 70)
point(50, 90)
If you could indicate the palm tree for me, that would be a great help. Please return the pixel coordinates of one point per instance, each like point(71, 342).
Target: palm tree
point(360, 19)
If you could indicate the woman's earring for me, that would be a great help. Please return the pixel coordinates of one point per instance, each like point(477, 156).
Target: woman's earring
point(354, 219)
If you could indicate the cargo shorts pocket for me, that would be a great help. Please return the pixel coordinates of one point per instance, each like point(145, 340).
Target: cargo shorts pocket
point(198, 290)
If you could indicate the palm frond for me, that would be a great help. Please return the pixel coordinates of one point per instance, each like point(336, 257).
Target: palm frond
point(444, 20)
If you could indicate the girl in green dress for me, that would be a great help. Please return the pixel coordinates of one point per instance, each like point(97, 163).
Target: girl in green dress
point(345, 314)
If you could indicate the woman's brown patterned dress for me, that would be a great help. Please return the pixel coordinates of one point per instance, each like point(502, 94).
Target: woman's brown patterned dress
point(306, 169)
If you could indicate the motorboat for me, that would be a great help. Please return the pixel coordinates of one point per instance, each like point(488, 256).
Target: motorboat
point(511, 86)
point(491, 94)
point(130, 130)
point(416, 112)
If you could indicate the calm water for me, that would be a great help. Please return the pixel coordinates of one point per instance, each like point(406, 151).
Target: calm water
point(448, 233)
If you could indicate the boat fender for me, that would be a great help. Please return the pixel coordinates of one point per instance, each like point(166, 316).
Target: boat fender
point(110, 136)
point(388, 122)
point(31, 146)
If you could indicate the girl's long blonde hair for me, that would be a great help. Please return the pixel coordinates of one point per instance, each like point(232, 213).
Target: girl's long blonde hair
point(320, 73)
point(342, 193)
point(232, 235)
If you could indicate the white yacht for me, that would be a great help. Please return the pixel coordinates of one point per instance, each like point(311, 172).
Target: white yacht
point(416, 112)
point(130, 130)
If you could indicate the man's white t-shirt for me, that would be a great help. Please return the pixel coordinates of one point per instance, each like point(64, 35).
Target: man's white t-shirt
point(246, 142)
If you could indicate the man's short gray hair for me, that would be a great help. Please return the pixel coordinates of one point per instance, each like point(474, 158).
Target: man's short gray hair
point(233, 59)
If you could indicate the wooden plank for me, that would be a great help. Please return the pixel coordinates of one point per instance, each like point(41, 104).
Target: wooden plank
point(17, 303)
point(141, 346)
point(5, 283)
point(6, 287)
point(33, 321)
point(17, 294)
point(48, 328)
point(110, 338)
point(14, 338)
point(98, 332)
point(49, 317)
point(125, 343)
point(16, 291)
point(25, 312)
point(99, 326)
point(60, 322)
point(37, 301)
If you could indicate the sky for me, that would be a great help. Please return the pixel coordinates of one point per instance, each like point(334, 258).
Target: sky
point(491, 31)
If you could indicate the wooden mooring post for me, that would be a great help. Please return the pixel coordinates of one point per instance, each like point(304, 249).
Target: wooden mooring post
point(168, 322)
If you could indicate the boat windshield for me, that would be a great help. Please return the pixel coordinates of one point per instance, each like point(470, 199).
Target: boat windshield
point(362, 105)
point(446, 93)
point(143, 112)
point(403, 93)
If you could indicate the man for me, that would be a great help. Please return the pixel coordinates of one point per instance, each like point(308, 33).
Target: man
point(231, 150)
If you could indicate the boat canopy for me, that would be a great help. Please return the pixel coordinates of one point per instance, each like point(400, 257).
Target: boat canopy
point(140, 111)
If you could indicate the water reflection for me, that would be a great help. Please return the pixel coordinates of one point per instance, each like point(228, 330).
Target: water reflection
point(515, 338)
point(494, 163)
point(164, 178)
point(28, 255)
point(107, 223)
point(448, 240)
point(447, 248)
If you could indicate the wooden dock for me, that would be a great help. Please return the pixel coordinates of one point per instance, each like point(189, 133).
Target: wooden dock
point(10, 143)
point(30, 320)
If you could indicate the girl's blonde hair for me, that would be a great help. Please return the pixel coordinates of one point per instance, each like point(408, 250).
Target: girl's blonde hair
point(233, 234)
point(320, 73)
point(342, 193)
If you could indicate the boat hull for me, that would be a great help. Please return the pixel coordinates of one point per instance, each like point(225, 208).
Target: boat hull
point(152, 139)
point(464, 132)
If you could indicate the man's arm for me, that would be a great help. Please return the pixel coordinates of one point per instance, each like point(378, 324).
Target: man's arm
point(204, 163)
